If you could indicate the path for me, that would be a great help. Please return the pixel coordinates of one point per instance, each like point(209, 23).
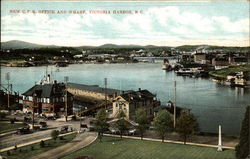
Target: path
point(80, 141)
point(171, 141)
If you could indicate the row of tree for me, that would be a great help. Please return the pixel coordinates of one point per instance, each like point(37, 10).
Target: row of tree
point(163, 123)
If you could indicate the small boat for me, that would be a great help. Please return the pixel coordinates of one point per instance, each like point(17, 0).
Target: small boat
point(185, 72)
point(166, 65)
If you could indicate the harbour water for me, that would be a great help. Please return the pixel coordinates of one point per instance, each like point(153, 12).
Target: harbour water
point(211, 103)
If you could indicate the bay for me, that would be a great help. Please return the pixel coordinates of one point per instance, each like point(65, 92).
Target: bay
point(211, 103)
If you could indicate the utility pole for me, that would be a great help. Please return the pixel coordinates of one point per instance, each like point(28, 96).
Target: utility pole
point(33, 114)
point(105, 82)
point(174, 104)
point(66, 78)
point(8, 92)
point(0, 75)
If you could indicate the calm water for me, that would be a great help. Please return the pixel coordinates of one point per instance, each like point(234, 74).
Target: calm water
point(211, 103)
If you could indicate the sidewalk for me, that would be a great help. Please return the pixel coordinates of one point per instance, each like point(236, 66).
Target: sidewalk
point(7, 133)
point(32, 142)
point(171, 141)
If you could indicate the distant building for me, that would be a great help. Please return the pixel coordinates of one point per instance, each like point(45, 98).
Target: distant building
point(220, 61)
point(8, 97)
point(186, 57)
point(238, 79)
point(200, 58)
point(239, 60)
point(130, 101)
point(48, 99)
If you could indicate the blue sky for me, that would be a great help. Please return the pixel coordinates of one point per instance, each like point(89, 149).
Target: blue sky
point(160, 23)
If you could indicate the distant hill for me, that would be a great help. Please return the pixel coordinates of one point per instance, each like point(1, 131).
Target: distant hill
point(128, 46)
point(16, 44)
point(211, 47)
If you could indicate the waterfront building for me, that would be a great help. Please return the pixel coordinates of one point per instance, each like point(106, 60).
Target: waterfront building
point(8, 98)
point(92, 91)
point(200, 58)
point(130, 101)
point(48, 99)
point(238, 79)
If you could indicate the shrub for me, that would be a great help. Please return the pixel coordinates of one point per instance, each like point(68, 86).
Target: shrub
point(61, 137)
point(32, 148)
point(2, 115)
point(12, 121)
point(15, 107)
point(54, 134)
point(42, 144)
point(8, 153)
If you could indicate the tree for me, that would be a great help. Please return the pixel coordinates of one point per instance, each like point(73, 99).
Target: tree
point(141, 119)
point(101, 122)
point(14, 107)
point(2, 115)
point(163, 123)
point(54, 134)
point(121, 123)
point(243, 148)
point(186, 125)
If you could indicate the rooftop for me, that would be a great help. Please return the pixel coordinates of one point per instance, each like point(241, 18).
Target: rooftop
point(46, 90)
point(93, 88)
point(137, 95)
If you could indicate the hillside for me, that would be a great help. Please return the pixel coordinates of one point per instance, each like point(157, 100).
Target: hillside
point(16, 44)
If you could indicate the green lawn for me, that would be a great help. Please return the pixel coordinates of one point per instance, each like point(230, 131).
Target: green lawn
point(137, 149)
point(224, 72)
point(27, 152)
point(6, 126)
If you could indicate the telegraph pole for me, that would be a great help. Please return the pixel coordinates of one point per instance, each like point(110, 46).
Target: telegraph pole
point(8, 92)
point(174, 104)
point(33, 114)
point(0, 75)
point(66, 78)
point(105, 82)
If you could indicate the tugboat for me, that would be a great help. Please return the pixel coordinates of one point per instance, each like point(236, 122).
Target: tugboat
point(166, 65)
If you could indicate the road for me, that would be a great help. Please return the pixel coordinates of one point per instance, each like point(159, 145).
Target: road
point(15, 139)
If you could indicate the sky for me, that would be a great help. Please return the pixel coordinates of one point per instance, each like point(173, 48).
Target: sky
point(224, 23)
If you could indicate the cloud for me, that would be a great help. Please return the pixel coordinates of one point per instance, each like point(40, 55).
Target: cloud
point(158, 25)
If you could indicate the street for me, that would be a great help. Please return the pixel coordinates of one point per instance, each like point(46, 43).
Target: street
point(16, 139)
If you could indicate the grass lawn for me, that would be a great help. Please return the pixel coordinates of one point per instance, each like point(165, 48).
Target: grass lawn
point(224, 72)
point(137, 149)
point(6, 126)
point(27, 152)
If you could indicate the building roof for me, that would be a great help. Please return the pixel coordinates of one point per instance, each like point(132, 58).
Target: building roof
point(93, 88)
point(137, 95)
point(46, 90)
